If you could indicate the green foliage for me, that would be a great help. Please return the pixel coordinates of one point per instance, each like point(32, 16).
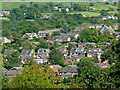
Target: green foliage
point(56, 57)
point(47, 36)
point(36, 77)
point(5, 83)
point(104, 12)
point(12, 62)
point(89, 35)
point(55, 33)
point(65, 28)
point(54, 45)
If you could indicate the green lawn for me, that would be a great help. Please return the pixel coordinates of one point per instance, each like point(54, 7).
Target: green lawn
point(12, 5)
point(100, 6)
point(112, 12)
point(86, 13)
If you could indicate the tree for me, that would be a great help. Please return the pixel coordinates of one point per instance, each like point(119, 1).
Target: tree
point(104, 12)
point(47, 36)
point(55, 33)
point(88, 74)
point(11, 37)
point(36, 77)
point(65, 28)
point(89, 35)
point(56, 57)
point(54, 45)
point(12, 62)
point(91, 4)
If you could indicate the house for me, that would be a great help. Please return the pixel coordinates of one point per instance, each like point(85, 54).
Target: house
point(41, 59)
point(73, 34)
point(81, 45)
point(103, 64)
point(110, 17)
point(64, 51)
point(56, 8)
point(118, 35)
point(77, 51)
point(2, 13)
point(42, 56)
point(48, 16)
point(4, 40)
point(26, 54)
point(73, 58)
point(4, 71)
point(67, 72)
point(35, 44)
point(8, 52)
point(62, 38)
point(67, 9)
point(107, 29)
point(94, 51)
point(116, 26)
point(85, 15)
point(56, 66)
point(43, 33)
point(13, 71)
point(30, 35)
point(56, 70)
point(43, 51)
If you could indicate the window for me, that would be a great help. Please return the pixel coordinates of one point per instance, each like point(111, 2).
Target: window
point(73, 60)
point(64, 72)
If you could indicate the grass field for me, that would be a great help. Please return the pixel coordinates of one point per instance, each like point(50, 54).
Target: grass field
point(113, 12)
point(86, 13)
point(100, 6)
point(97, 6)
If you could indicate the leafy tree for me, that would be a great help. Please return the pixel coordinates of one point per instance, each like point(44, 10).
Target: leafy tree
point(54, 45)
point(65, 28)
point(55, 33)
point(89, 35)
point(104, 12)
point(5, 83)
point(36, 77)
point(11, 62)
point(47, 36)
point(91, 4)
point(56, 57)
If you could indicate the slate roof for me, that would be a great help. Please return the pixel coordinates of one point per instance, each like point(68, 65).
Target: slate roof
point(73, 33)
point(69, 69)
point(9, 51)
point(56, 66)
point(13, 71)
point(25, 52)
point(35, 43)
point(50, 31)
point(4, 70)
point(108, 29)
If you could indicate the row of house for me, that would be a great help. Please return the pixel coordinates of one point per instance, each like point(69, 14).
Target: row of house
point(2, 13)
point(110, 17)
point(42, 55)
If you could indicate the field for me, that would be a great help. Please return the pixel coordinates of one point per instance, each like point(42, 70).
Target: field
point(97, 6)
point(86, 13)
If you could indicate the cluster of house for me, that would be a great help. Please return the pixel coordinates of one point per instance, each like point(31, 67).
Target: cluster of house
point(75, 54)
point(73, 34)
point(2, 13)
point(63, 72)
point(110, 17)
point(60, 9)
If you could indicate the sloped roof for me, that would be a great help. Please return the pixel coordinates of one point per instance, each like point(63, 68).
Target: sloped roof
point(9, 51)
point(69, 69)
point(25, 52)
point(108, 29)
